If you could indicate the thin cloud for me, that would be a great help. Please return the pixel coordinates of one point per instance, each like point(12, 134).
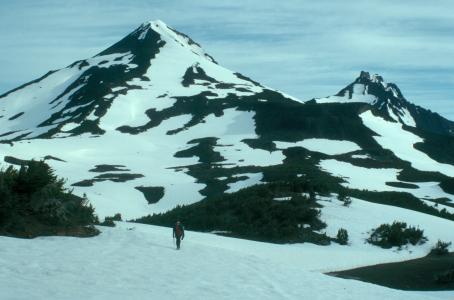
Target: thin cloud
point(304, 48)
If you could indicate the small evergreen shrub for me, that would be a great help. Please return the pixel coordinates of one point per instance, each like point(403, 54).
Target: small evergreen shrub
point(109, 221)
point(342, 236)
point(116, 217)
point(347, 201)
point(341, 196)
point(344, 198)
point(396, 234)
point(440, 248)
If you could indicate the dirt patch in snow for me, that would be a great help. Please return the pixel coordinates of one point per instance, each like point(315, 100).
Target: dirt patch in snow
point(430, 273)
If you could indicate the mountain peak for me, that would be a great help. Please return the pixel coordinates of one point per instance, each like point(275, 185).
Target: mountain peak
point(372, 89)
point(365, 77)
point(375, 85)
point(156, 22)
point(154, 61)
point(150, 36)
point(385, 98)
point(170, 36)
point(157, 26)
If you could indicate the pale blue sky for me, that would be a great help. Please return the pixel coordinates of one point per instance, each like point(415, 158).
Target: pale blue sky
point(304, 48)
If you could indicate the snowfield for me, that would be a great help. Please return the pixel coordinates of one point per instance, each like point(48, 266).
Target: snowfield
point(329, 147)
point(359, 218)
point(252, 179)
point(150, 154)
point(393, 137)
point(374, 179)
point(134, 261)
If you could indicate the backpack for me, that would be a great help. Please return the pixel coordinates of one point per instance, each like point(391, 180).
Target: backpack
point(178, 231)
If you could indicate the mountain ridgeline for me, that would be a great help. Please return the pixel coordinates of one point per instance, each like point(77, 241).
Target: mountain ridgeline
point(154, 122)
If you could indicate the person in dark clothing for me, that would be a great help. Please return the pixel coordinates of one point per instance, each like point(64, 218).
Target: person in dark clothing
point(178, 233)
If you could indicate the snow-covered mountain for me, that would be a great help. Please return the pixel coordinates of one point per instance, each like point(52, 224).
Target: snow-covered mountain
point(143, 72)
point(154, 121)
point(389, 101)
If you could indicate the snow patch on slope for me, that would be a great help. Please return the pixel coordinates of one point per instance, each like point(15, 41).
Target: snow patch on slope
point(170, 35)
point(393, 137)
point(252, 179)
point(241, 126)
point(33, 101)
point(150, 154)
point(359, 95)
point(360, 217)
point(329, 147)
point(373, 179)
point(406, 118)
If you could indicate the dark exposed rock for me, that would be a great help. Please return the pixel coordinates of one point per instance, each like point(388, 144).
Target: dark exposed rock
point(108, 168)
point(16, 116)
point(151, 193)
point(402, 185)
point(15, 161)
point(115, 177)
point(48, 157)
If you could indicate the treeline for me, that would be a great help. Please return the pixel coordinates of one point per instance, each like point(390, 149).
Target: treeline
point(257, 213)
point(33, 202)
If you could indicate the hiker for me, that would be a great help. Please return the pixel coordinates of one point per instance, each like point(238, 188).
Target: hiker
point(178, 233)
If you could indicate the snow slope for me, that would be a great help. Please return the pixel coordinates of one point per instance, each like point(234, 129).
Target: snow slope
point(359, 218)
point(392, 136)
point(111, 103)
point(135, 261)
point(374, 179)
point(358, 94)
point(326, 146)
point(151, 155)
